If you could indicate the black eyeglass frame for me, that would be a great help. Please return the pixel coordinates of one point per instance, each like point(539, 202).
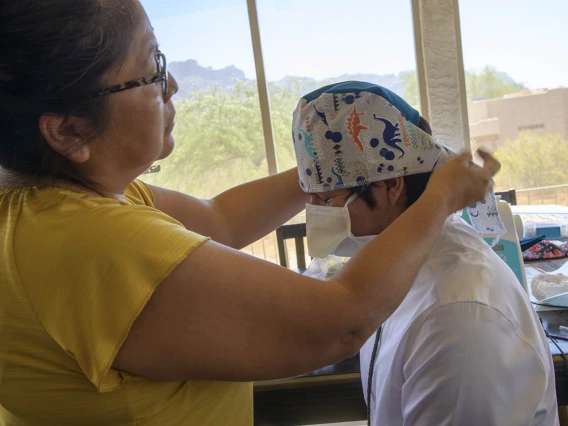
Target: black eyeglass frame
point(161, 75)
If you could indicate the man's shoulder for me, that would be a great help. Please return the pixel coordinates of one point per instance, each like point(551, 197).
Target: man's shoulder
point(509, 332)
point(465, 270)
point(466, 274)
point(463, 267)
point(457, 237)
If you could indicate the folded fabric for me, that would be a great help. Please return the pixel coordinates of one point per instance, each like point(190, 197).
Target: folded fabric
point(527, 243)
point(545, 250)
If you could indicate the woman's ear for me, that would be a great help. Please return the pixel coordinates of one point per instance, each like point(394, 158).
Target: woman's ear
point(66, 135)
point(395, 189)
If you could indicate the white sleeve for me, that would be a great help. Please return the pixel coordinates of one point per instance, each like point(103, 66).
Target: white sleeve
point(468, 366)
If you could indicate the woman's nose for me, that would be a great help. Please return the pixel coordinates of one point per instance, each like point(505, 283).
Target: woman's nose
point(173, 86)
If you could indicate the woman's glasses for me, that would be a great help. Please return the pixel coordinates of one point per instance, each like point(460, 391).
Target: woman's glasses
point(161, 75)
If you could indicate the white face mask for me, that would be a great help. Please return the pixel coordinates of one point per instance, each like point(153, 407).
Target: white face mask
point(328, 231)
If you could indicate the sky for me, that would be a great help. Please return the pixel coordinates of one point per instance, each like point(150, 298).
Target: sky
point(327, 38)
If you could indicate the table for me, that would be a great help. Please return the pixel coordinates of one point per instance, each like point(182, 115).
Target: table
point(334, 393)
point(331, 394)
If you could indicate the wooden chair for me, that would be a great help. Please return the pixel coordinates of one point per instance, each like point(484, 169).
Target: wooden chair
point(509, 196)
point(297, 232)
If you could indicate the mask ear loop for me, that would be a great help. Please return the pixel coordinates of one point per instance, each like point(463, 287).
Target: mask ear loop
point(358, 191)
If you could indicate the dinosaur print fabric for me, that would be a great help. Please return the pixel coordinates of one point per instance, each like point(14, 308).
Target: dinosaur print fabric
point(346, 138)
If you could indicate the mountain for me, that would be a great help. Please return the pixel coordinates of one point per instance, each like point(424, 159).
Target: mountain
point(191, 76)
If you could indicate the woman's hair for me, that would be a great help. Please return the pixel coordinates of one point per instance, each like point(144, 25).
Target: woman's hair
point(415, 184)
point(52, 54)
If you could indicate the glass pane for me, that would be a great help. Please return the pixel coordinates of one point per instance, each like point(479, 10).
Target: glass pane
point(310, 43)
point(517, 79)
point(218, 133)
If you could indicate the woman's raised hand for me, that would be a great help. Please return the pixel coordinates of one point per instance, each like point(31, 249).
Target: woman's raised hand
point(461, 183)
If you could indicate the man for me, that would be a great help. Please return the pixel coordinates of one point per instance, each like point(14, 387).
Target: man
point(465, 347)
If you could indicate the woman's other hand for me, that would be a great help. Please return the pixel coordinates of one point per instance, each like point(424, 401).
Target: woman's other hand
point(460, 183)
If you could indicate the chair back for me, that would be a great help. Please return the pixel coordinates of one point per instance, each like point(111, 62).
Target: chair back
point(509, 196)
point(297, 232)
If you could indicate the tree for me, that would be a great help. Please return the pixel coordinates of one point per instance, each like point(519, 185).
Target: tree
point(532, 160)
point(410, 93)
point(220, 140)
point(489, 84)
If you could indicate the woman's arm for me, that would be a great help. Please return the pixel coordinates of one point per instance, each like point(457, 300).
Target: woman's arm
point(241, 215)
point(224, 315)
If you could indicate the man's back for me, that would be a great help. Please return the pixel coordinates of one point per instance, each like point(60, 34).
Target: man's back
point(464, 348)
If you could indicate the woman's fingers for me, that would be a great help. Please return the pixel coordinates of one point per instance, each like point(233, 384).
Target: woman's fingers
point(490, 163)
point(463, 182)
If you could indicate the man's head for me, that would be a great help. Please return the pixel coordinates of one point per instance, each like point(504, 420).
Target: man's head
point(366, 155)
point(377, 204)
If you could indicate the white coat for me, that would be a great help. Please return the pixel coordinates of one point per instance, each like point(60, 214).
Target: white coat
point(465, 347)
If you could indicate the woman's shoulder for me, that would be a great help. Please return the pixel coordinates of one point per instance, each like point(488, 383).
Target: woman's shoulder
point(139, 193)
point(39, 199)
point(63, 215)
point(61, 226)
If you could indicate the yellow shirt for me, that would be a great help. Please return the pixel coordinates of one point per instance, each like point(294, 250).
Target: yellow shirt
point(75, 271)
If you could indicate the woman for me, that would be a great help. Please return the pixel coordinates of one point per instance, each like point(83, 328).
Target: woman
point(114, 309)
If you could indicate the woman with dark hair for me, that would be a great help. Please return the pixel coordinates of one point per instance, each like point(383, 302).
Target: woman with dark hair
point(114, 307)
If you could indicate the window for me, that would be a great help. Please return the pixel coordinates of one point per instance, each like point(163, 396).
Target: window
point(517, 88)
point(218, 133)
point(308, 44)
point(516, 82)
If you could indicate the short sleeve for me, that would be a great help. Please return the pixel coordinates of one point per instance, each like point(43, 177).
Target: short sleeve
point(140, 193)
point(467, 366)
point(89, 270)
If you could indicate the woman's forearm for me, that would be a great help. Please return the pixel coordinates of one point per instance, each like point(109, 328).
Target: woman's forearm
point(256, 208)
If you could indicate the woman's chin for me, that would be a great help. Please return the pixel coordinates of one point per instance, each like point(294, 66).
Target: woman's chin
point(168, 147)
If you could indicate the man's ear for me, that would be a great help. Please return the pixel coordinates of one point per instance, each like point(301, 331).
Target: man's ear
point(395, 189)
point(66, 135)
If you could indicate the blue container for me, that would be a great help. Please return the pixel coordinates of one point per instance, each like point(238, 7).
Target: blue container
point(551, 232)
